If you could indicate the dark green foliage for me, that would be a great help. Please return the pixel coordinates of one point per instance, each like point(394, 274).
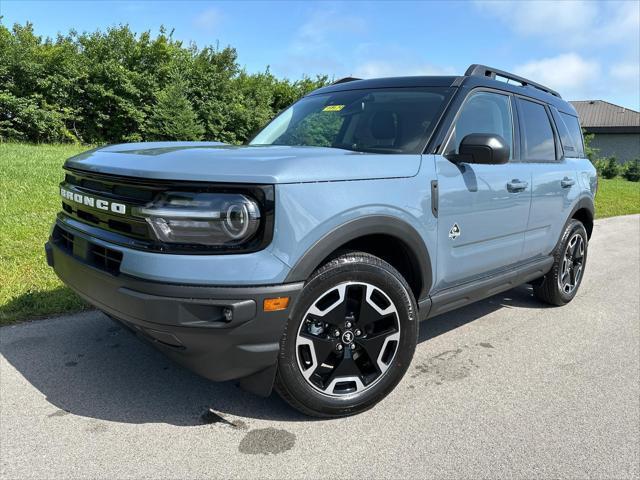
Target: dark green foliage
point(117, 86)
point(590, 152)
point(608, 167)
point(173, 117)
point(631, 170)
point(319, 129)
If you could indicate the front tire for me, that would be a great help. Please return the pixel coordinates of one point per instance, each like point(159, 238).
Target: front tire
point(350, 338)
point(561, 283)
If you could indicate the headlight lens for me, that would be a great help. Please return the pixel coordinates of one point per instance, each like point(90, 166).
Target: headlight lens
point(212, 219)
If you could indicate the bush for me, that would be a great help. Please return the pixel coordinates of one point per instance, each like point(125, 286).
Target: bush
point(608, 167)
point(119, 86)
point(631, 170)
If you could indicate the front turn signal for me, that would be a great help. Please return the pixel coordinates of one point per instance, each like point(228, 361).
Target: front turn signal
point(275, 304)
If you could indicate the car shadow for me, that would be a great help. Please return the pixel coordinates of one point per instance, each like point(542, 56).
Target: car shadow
point(89, 366)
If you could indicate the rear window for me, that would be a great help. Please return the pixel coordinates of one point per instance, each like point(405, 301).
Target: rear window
point(539, 143)
point(575, 133)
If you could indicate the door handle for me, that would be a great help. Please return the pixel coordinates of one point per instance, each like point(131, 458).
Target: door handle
point(567, 182)
point(515, 186)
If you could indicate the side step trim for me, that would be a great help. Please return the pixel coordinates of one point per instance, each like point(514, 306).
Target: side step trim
point(470, 292)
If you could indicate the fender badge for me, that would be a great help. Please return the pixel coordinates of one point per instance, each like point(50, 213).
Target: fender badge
point(454, 232)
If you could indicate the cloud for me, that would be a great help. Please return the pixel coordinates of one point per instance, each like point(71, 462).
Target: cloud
point(572, 22)
point(324, 27)
point(540, 17)
point(623, 26)
point(566, 71)
point(380, 68)
point(209, 19)
point(626, 72)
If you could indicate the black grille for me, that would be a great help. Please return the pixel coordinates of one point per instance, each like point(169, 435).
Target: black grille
point(81, 188)
point(95, 255)
point(112, 189)
point(63, 239)
point(105, 258)
point(109, 190)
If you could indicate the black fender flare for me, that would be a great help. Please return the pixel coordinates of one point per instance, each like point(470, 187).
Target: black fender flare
point(584, 202)
point(360, 227)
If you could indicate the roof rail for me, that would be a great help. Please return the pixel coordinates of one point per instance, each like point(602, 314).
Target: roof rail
point(476, 70)
point(345, 80)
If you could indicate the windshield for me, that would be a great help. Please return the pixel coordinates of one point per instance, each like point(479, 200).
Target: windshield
point(389, 120)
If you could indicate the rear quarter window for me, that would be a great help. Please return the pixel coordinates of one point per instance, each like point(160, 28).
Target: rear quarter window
point(575, 133)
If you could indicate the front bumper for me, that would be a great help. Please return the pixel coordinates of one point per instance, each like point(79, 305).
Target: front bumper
point(186, 322)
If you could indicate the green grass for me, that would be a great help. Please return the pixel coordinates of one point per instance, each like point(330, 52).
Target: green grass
point(617, 196)
point(29, 201)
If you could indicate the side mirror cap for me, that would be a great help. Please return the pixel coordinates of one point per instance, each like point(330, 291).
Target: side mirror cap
point(482, 148)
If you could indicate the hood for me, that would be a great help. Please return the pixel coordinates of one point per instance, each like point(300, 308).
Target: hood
point(217, 162)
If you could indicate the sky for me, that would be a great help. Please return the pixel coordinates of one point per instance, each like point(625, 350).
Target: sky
point(584, 49)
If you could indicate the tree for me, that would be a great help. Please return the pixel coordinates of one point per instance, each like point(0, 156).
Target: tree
point(173, 117)
point(590, 152)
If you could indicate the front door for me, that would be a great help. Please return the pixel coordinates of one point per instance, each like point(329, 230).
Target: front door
point(482, 209)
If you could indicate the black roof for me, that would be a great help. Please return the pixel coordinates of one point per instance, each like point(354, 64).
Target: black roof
point(476, 76)
point(388, 82)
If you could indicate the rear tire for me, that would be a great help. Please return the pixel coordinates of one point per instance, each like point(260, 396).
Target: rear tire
point(350, 338)
point(561, 283)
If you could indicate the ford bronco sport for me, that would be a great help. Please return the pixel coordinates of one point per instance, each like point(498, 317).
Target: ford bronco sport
point(305, 259)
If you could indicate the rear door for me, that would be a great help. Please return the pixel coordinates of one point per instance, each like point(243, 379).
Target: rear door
point(554, 184)
point(482, 209)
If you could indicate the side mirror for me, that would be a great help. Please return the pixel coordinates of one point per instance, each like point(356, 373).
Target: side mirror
point(483, 148)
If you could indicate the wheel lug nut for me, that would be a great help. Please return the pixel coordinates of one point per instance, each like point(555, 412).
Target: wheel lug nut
point(352, 346)
point(348, 324)
point(336, 333)
point(339, 347)
point(358, 332)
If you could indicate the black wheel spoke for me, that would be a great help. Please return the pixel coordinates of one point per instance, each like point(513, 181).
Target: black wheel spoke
point(322, 346)
point(345, 368)
point(373, 345)
point(335, 317)
point(367, 315)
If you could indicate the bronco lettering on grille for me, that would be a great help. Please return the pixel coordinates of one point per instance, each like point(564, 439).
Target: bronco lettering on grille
point(92, 202)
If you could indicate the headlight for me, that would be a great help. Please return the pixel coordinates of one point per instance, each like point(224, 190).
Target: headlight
point(212, 219)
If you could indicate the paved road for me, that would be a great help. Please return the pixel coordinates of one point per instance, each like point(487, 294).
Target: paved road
point(503, 388)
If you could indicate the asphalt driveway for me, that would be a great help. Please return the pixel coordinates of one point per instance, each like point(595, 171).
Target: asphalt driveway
point(503, 388)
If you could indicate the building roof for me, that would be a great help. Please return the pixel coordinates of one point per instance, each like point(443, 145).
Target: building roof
point(600, 116)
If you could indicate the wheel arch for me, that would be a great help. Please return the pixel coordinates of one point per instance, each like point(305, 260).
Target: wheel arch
point(387, 237)
point(584, 211)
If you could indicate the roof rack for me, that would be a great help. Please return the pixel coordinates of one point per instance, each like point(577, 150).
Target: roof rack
point(345, 80)
point(484, 71)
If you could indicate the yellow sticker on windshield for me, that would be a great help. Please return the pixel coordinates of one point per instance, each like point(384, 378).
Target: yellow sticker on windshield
point(333, 108)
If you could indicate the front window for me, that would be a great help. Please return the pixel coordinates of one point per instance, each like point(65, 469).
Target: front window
point(389, 120)
point(483, 112)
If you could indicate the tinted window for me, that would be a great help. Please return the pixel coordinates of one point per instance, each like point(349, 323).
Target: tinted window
point(563, 132)
point(484, 112)
point(538, 141)
point(573, 126)
point(389, 120)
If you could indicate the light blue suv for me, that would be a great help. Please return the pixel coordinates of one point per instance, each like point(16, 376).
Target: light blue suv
point(305, 259)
